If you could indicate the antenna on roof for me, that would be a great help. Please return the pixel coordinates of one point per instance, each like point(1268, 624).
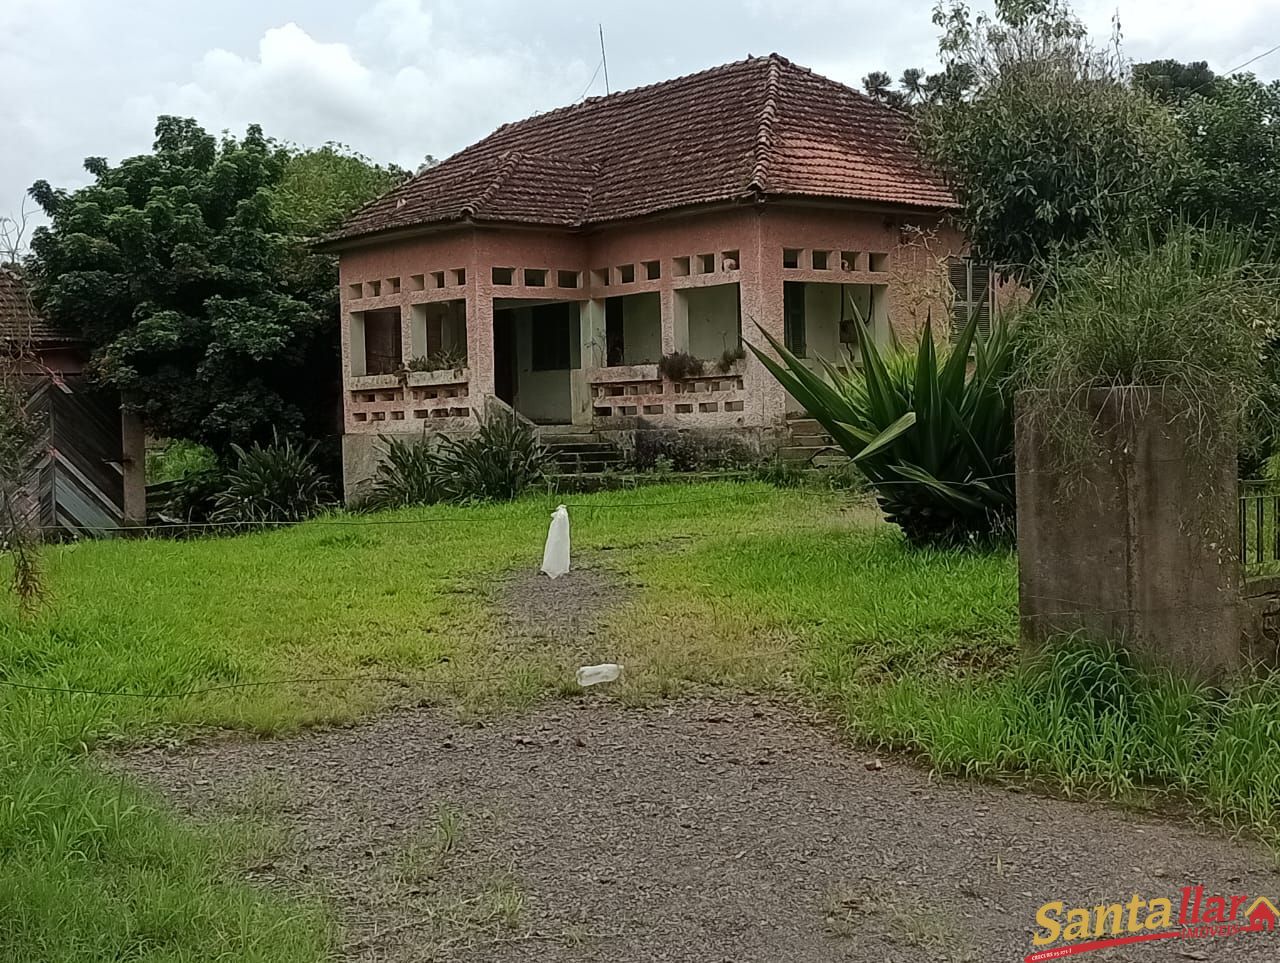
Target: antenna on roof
point(604, 60)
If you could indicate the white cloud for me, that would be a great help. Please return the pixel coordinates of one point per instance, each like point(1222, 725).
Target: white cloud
point(401, 90)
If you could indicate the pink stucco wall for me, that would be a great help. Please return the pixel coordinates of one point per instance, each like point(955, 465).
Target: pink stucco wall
point(747, 397)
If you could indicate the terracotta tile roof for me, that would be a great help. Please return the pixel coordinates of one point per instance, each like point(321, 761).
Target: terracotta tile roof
point(19, 321)
point(759, 127)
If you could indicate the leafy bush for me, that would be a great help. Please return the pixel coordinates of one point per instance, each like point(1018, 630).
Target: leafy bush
point(445, 359)
point(499, 462)
point(178, 459)
point(689, 451)
point(408, 474)
point(934, 440)
point(276, 483)
point(1192, 316)
point(679, 365)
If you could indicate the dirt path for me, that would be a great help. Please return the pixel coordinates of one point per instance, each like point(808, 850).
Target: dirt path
point(695, 832)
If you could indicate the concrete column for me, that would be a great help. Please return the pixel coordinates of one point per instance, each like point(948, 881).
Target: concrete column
point(1138, 550)
point(133, 442)
point(591, 336)
point(480, 344)
point(761, 293)
point(675, 331)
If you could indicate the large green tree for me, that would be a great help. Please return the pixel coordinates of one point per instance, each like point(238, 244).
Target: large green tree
point(1232, 129)
point(188, 271)
point(1050, 145)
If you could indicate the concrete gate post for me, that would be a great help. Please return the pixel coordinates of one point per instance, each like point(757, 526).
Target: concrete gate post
point(1138, 548)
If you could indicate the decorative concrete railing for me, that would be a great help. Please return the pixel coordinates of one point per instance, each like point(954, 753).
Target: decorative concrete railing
point(377, 402)
point(638, 391)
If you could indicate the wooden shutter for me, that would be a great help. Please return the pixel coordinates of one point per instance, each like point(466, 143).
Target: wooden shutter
point(971, 284)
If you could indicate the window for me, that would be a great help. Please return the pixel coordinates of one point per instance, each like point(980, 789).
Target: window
point(626, 273)
point(971, 285)
point(706, 264)
point(566, 279)
point(790, 257)
point(793, 333)
point(503, 275)
point(552, 329)
point(680, 267)
point(878, 261)
point(652, 270)
point(613, 338)
point(535, 277)
point(819, 259)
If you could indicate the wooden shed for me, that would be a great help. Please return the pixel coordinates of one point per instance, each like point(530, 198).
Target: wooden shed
point(87, 476)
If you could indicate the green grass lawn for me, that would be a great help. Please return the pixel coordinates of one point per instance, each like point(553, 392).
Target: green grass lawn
point(741, 587)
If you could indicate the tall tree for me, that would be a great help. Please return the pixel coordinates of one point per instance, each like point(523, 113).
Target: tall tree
point(1051, 145)
point(188, 272)
point(1172, 81)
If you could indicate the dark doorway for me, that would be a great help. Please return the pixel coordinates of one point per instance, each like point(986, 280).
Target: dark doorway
point(504, 355)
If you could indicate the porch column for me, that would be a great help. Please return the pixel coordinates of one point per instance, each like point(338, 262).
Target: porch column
point(761, 294)
point(591, 337)
point(480, 344)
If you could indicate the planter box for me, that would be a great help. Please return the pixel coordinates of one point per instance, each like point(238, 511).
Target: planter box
point(1139, 549)
point(445, 376)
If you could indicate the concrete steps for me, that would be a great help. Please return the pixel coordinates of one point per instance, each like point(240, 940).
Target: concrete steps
point(811, 445)
point(580, 452)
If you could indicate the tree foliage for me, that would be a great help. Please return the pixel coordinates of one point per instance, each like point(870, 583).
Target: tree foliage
point(1232, 131)
point(1051, 145)
point(188, 272)
point(1172, 81)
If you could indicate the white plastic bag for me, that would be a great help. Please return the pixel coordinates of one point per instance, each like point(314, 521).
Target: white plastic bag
point(555, 557)
point(595, 674)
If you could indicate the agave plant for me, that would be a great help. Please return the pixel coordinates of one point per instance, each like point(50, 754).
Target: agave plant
point(933, 435)
point(499, 462)
point(409, 474)
point(276, 483)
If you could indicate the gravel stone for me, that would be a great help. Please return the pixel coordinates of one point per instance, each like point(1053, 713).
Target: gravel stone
point(693, 831)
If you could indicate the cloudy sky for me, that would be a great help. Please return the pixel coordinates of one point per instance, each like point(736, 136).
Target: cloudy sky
point(399, 79)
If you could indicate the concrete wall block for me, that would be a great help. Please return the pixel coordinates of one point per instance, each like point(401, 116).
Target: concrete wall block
point(1138, 549)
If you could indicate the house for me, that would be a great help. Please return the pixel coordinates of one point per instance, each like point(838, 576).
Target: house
point(88, 473)
point(1262, 915)
point(552, 265)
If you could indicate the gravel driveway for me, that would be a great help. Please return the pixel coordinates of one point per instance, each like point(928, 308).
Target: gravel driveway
point(699, 831)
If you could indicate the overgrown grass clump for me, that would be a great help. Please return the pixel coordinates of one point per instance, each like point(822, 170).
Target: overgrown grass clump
point(1084, 718)
point(1191, 315)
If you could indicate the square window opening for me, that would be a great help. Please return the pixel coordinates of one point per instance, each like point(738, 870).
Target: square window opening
point(680, 267)
point(879, 261)
point(417, 282)
point(374, 289)
point(355, 291)
point(626, 273)
point(567, 279)
point(729, 261)
point(849, 261)
point(535, 277)
point(437, 279)
point(652, 270)
point(504, 275)
point(393, 285)
point(790, 257)
point(600, 277)
point(706, 263)
point(459, 276)
point(819, 260)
